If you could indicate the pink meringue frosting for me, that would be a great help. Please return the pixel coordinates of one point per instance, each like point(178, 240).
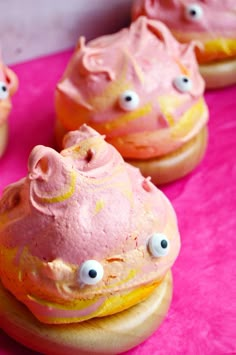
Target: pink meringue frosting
point(211, 22)
point(140, 87)
point(8, 86)
point(83, 204)
point(218, 16)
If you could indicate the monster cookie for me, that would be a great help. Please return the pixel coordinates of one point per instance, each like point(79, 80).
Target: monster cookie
point(86, 247)
point(211, 22)
point(142, 89)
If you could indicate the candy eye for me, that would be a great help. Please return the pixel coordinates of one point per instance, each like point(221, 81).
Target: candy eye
point(193, 12)
point(158, 245)
point(183, 83)
point(129, 100)
point(91, 272)
point(3, 91)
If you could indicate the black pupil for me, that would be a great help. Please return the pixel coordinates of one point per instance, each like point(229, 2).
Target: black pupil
point(185, 80)
point(164, 244)
point(128, 98)
point(193, 12)
point(4, 88)
point(92, 273)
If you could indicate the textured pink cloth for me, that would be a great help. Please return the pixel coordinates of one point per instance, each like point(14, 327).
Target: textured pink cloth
point(202, 317)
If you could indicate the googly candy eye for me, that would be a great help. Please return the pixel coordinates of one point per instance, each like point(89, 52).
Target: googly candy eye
point(183, 83)
point(193, 12)
point(158, 245)
point(129, 100)
point(3, 91)
point(91, 272)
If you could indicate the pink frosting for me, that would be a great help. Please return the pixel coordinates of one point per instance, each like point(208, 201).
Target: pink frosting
point(74, 231)
point(84, 203)
point(8, 86)
point(219, 16)
point(145, 59)
point(2, 75)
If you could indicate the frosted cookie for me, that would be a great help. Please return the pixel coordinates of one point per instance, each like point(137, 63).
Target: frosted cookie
point(142, 89)
point(211, 22)
point(86, 248)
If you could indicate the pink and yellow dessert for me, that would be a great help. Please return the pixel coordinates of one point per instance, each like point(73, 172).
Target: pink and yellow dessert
point(8, 86)
point(84, 234)
point(212, 22)
point(142, 89)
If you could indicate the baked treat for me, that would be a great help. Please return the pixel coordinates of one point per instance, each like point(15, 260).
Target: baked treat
point(211, 22)
point(142, 89)
point(86, 247)
point(8, 86)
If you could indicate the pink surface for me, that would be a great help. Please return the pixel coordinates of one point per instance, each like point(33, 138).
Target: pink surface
point(202, 317)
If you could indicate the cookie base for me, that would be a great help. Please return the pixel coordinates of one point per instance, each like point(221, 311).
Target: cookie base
point(219, 74)
point(108, 335)
point(177, 164)
point(3, 138)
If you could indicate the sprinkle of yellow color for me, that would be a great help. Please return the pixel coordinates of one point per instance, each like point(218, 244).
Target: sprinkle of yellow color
point(123, 120)
point(81, 150)
point(64, 196)
point(99, 206)
point(221, 45)
point(168, 105)
point(189, 119)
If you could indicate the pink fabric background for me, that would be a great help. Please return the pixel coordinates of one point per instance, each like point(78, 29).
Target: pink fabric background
point(202, 317)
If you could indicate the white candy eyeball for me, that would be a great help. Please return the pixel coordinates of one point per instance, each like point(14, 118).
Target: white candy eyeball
point(183, 83)
point(3, 91)
point(193, 12)
point(158, 245)
point(129, 100)
point(91, 272)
